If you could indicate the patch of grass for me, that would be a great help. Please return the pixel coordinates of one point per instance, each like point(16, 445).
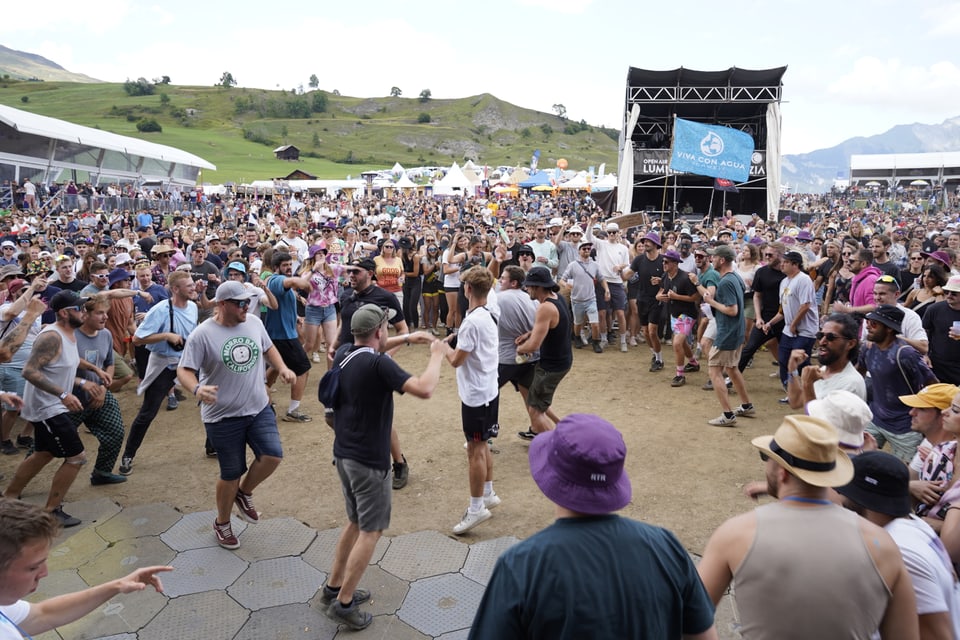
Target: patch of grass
point(358, 133)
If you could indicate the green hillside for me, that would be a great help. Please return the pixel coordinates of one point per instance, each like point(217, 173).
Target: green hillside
point(237, 129)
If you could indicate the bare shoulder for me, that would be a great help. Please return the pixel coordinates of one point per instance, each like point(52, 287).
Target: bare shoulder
point(882, 548)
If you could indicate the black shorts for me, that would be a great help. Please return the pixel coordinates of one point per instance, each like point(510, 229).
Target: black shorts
point(58, 436)
point(293, 355)
point(650, 311)
point(519, 375)
point(481, 423)
point(617, 301)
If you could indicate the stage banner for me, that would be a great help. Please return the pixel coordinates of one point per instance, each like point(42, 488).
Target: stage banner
point(709, 150)
point(656, 162)
point(722, 184)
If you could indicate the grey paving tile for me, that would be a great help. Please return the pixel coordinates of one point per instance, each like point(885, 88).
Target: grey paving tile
point(212, 615)
point(288, 622)
point(126, 613)
point(441, 604)
point(425, 553)
point(201, 570)
point(76, 550)
point(91, 512)
point(274, 538)
point(141, 520)
point(125, 556)
point(455, 635)
point(320, 552)
point(483, 555)
point(386, 592)
point(57, 583)
point(275, 582)
point(383, 628)
point(195, 531)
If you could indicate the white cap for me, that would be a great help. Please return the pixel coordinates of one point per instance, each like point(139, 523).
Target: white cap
point(847, 412)
point(613, 226)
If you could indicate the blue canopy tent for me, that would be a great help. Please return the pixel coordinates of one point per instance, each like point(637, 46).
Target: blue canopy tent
point(540, 178)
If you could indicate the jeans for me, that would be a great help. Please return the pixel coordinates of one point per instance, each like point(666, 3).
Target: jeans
point(153, 398)
point(788, 344)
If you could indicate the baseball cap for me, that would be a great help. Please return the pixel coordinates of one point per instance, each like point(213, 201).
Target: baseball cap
point(725, 251)
point(933, 396)
point(236, 266)
point(233, 290)
point(66, 299)
point(363, 263)
point(369, 317)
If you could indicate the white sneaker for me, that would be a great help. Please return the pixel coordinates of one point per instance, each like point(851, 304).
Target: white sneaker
point(623, 346)
point(470, 520)
point(316, 357)
point(723, 421)
point(633, 341)
point(491, 500)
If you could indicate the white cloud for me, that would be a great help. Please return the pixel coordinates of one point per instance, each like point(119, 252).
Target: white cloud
point(65, 16)
point(560, 6)
point(886, 83)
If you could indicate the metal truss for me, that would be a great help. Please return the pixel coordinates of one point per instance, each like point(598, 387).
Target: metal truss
point(678, 94)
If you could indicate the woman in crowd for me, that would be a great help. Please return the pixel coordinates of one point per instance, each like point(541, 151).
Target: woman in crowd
point(321, 311)
point(840, 278)
point(390, 269)
point(450, 269)
point(412, 289)
point(929, 290)
point(430, 267)
point(747, 267)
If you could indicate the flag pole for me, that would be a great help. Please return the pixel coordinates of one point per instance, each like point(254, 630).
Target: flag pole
point(712, 192)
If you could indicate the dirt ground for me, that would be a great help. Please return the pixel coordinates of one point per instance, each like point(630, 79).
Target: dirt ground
point(687, 476)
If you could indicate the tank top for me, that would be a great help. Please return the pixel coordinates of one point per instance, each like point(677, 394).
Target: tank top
point(556, 352)
point(39, 405)
point(808, 574)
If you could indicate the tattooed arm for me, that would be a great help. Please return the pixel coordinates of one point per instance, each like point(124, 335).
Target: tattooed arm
point(47, 349)
point(15, 336)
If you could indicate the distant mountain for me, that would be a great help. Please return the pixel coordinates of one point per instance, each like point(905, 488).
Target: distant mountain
point(815, 172)
point(30, 66)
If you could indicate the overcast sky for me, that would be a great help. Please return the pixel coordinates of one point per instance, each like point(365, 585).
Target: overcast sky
point(854, 67)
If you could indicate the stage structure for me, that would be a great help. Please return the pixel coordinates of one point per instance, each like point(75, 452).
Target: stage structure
point(739, 98)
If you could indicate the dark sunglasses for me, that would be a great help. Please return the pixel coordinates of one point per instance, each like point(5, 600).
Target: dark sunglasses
point(764, 457)
point(830, 337)
point(241, 304)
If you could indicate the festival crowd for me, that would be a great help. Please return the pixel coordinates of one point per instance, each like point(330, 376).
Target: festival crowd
point(859, 308)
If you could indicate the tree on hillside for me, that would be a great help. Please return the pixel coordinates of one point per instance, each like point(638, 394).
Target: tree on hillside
point(560, 110)
point(314, 81)
point(164, 79)
point(319, 104)
point(425, 95)
point(139, 87)
point(395, 92)
point(227, 80)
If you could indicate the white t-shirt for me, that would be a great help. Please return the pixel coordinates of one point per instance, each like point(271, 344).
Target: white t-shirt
point(17, 613)
point(847, 380)
point(477, 376)
point(450, 280)
point(929, 566)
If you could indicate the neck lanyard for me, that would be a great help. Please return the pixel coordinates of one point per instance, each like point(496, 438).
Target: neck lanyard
point(807, 500)
point(23, 633)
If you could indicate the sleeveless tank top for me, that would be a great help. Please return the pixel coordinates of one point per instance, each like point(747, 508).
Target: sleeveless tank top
point(556, 352)
point(808, 574)
point(39, 405)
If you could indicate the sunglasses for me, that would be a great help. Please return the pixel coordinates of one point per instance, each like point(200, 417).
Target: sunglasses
point(830, 337)
point(916, 257)
point(764, 457)
point(886, 279)
point(769, 255)
point(241, 304)
point(100, 275)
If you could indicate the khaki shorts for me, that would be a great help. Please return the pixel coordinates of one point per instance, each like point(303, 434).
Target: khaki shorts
point(120, 367)
point(544, 385)
point(724, 358)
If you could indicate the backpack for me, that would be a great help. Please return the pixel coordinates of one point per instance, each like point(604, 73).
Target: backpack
point(328, 391)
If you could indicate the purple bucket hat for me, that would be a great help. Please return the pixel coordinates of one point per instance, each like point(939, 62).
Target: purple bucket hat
point(654, 238)
point(579, 465)
point(672, 255)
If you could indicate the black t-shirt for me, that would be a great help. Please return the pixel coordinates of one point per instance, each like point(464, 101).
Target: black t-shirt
point(944, 351)
point(645, 268)
point(906, 279)
point(371, 295)
point(823, 271)
point(76, 286)
point(680, 283)
point(364, 418)
point(888, 268)
point(766, 282)
point(202, 272)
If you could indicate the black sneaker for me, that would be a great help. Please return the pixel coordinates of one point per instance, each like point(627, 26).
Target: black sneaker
point(208, 450)
point(527, 435)
point(401, 474)
point(597, 347)
point(351, 616)
point(691, 368)
point(678, 381)
point(25, 442)
point(328, 596)
point(97, 478)
point(7, 448)
point(656, 365)
point(66, 520)
point(126, 465)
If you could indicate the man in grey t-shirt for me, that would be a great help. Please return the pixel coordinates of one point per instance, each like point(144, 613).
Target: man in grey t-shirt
point(222, 363)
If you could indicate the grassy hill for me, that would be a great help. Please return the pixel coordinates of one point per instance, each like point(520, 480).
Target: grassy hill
point(23, 66)
point(237, 128)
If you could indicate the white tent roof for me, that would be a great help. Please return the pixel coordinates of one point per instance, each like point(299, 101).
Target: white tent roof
point(578, 181)
point(397, 169)
point(472, 176)
point(451, 183)
point(38, 125)
point(404, 183)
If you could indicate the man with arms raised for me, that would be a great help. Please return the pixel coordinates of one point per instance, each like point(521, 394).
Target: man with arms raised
point(838, 348)
point(363, 422)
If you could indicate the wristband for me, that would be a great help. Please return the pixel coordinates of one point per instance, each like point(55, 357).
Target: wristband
point(196, 388)
point(63, 395)
point(406, 339)
point(793, 374)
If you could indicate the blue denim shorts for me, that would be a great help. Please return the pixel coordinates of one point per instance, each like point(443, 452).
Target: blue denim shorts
point(231, 436)
point(318, 315)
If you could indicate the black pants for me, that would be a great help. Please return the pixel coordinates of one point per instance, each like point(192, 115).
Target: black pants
point(756, 340)
point(153, 398)
point(411, 302)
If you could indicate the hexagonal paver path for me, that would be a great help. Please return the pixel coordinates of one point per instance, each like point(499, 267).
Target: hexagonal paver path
point(424, 584)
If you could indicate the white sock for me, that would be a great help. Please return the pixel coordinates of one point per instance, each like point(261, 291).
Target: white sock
point(488, 489)
point(658, 356)
point(476, 504)
point(294, 405)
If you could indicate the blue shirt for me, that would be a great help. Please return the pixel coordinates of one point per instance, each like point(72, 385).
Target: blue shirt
point(281, 324)
point(157, 320)
point(140, 305)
